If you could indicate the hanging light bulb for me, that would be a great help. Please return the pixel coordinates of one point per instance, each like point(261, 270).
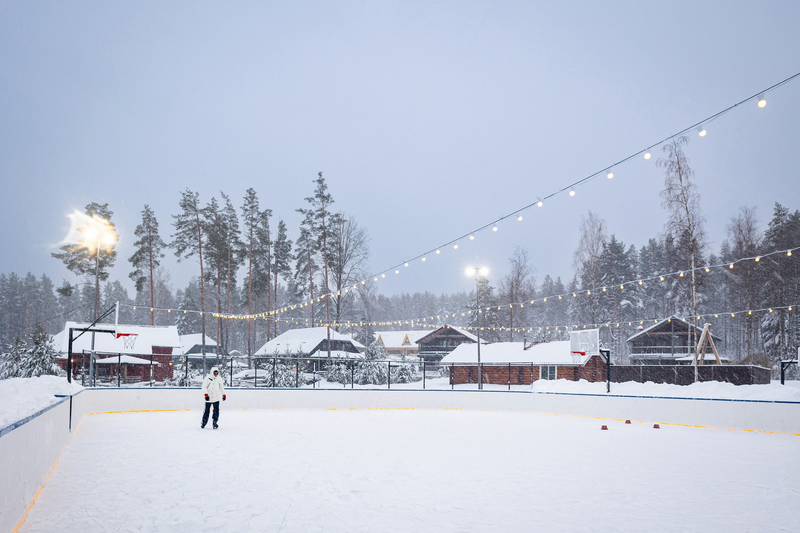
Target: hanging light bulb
point(762, 102)
point(572, 193)
point(494, 228)
point(539, 203)
point(438, 252)
point(455, 247)
point(647, 154)
point(472, 237)
point(701, 131)
point(661, 278)
point(730, 266)
point(519, 218)
point(406, 264)
point(610, 175)
point(424, 259)
point(789, 253)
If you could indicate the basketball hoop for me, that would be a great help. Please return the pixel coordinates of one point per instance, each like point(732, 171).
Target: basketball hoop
point(576, 356)
point(128, 339)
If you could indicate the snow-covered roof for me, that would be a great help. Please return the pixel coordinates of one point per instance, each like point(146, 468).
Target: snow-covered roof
point(147, 337)
point(462, 331)
point(659, 323)
point(400, 339)
point(191, 340)
point(303, 340)
point(546, 353)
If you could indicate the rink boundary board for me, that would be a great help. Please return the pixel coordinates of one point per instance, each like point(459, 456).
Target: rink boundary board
point(11, 427)
point(64, 397)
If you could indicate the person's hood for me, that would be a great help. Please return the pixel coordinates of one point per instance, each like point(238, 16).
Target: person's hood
point(211, 372)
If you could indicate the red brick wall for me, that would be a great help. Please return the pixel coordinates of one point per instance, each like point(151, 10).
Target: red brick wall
point(160, 372)
point(593, 370)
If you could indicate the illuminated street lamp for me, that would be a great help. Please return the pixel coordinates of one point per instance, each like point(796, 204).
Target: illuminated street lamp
point(96, 234)
point(478, 272)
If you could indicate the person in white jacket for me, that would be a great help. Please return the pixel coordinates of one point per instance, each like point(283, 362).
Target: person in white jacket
point(214, 391)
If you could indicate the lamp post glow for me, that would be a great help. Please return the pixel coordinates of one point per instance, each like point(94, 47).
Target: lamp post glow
point(478, 272)
point(97, 232)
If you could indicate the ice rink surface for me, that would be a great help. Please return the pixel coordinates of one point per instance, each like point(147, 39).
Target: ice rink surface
point(414, 470)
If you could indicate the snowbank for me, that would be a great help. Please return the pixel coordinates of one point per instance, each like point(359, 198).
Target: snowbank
point(23, 397)
point(709, 389)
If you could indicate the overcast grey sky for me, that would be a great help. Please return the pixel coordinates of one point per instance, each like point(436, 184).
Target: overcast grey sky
point(428, 119)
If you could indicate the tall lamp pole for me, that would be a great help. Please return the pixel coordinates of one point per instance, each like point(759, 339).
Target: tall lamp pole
point(478, 272)
point(96, 234)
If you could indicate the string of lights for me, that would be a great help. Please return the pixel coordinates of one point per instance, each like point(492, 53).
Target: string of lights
point(439, 320)
point(569, 327)
point(700, 126)
point(588, 292)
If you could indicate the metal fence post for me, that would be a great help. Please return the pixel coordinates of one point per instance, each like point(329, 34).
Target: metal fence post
point(151, 370)
point(509, 376)
point(423, 374)
point(119, 371)
point(274, 371)
point(389, 376)
point(352, 375)
point(255, 367)
point(297, 374)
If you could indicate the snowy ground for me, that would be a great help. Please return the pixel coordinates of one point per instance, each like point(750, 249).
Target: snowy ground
point(22, 397)
point(414, 470)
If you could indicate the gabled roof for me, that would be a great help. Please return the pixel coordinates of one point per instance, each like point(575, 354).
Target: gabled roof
point(460, 331)
point(303, 340)
point(191, 340)
point(400, 339)
point(147, 337)
point(666, 321)
point(546, 353)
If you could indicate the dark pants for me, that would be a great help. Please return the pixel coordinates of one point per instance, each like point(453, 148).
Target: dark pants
point(208, 408)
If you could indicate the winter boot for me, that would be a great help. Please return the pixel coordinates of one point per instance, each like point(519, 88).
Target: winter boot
point(216, 425)
point(202, 425)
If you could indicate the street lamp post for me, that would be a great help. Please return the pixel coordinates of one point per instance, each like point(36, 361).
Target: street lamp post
point(97, 233)
point(478, 272)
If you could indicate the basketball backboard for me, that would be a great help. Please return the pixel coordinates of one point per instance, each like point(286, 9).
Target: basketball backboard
point(585, 342)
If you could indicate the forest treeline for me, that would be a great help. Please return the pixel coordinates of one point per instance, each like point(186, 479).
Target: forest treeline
point(247, 264)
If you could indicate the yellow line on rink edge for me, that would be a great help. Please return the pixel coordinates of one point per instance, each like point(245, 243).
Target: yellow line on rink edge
point(764, 431)
point(36, 496)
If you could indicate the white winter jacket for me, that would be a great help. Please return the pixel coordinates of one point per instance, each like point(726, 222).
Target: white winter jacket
point(213, 386)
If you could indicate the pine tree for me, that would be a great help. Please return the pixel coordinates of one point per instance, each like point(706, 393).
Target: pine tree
point(372, 370)
point(251, 214)
point(92, 258)
point(148, 254)
point(281, 261)
point(306, 264)
point(235, 255)
point(11, 362)
point(405, 372)
point(39, 356)
point(319, 210)
point(188, 241)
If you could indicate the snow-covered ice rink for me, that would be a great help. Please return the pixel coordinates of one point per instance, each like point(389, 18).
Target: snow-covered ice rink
point(414, 470)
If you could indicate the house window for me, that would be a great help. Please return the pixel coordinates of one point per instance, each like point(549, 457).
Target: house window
point(547, 372)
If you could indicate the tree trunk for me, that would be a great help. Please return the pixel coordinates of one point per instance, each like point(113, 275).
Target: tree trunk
point(152, 291)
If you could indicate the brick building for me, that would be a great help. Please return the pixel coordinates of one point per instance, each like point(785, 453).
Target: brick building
point(132, 352)
point(517, 363)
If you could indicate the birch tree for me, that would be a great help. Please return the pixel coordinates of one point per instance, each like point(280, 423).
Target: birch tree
point(682, 201)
